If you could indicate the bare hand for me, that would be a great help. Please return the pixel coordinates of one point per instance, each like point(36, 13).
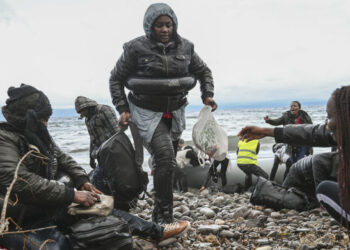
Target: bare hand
point(210, 101)
point(252, 132)
point(86, 198)
point(266, 118)
point(124, 119)
point(201, 189)
point(89, 187)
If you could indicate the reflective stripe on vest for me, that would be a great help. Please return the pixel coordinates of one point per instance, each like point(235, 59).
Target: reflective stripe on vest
point(247, 152)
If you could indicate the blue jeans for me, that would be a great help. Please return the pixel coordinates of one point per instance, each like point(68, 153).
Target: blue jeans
point(299, 153)
point(99, 181)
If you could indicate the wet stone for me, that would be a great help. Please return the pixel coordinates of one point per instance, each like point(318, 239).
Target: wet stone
point(167, 242)
point(263, 241)
point(209, 229)
point(226, 233)
point(303, 230)
point(209, 213)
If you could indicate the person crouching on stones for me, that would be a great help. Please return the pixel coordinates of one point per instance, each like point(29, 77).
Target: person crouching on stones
point(247, 161)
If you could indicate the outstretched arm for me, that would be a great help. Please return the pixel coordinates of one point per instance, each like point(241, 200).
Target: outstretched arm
point(252, 132)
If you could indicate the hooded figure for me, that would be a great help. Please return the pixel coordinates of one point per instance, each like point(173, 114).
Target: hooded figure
point(37, 191)
point(101, 123)
point(159, 69)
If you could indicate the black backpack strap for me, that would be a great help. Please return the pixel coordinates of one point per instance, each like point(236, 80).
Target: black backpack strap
point(138, 144)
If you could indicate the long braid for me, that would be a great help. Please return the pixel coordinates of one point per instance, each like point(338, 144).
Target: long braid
point(342, 102)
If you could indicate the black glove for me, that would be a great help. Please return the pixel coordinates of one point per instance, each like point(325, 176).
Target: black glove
point(92, 163)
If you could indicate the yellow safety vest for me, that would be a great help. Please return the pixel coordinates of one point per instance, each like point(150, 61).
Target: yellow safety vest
point(247, 152)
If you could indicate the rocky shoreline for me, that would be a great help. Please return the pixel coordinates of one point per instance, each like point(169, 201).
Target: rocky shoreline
point(230, 221)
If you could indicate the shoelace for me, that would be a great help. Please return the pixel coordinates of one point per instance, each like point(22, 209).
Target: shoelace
point(171, 226)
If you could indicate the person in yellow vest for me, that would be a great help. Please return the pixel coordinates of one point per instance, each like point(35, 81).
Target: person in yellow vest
point(247, 161)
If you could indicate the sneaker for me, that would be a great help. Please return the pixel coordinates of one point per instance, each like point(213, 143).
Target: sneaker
point(175, 229)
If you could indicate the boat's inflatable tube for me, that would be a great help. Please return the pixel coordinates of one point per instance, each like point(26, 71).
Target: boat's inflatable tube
point(165, 86)
point(197, 175)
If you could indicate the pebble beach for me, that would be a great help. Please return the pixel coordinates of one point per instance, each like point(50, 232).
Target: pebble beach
point(230, 221)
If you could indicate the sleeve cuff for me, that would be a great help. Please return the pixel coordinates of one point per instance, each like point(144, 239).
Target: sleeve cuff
point(207, 94)
point(122, 109)
point(278, 134)
point(79, 182)
point(69, 195)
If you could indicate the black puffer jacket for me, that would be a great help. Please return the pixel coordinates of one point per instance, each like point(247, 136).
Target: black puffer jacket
point(311, 169)
point(305, 134)
point(288, 118)
point(144, 57)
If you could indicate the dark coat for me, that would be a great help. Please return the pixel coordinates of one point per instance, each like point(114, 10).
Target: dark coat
point(33, 187)
point(306, 134)
point(288, 118)
point(144, 57)
point(308, 172)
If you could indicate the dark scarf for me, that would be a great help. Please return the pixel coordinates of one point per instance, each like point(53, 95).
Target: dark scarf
point(26, 107)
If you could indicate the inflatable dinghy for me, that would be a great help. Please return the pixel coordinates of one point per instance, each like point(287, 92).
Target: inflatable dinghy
point(197, 175)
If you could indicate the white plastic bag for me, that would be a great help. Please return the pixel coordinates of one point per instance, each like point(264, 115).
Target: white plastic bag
point(208, 136)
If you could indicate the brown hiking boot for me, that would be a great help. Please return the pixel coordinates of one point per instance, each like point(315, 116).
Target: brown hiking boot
point(175, 229)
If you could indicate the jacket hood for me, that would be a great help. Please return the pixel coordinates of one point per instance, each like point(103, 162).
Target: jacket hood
point(82, 102)
point(153, 12)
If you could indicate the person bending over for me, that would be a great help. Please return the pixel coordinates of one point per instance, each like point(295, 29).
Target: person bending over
point(101, 123)
point(39, 198)
point(247, 161)
point(159, 69)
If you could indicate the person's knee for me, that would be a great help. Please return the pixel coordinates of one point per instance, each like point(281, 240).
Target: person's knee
point(327, 188)
point(165, 157)
point(292, 176)
point(164, 171)
point(321, 167)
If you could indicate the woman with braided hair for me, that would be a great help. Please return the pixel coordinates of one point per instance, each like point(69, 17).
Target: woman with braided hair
point(332, 193)
point(333, 196)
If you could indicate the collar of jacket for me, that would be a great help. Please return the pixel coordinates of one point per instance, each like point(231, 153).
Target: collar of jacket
point(173, 43)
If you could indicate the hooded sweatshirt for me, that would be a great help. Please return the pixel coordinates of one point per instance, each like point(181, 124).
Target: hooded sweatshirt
point(144, 57)
point(101, 122)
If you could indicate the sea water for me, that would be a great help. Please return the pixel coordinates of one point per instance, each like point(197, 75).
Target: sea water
point(72, 137)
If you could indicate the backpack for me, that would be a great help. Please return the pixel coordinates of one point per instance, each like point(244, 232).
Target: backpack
point(121, 166)
point(101, 233)
point(272, 195)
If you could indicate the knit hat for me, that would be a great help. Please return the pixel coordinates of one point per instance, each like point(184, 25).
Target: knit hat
point(25, 98)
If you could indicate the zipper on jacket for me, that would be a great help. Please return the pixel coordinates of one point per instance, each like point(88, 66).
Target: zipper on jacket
point(166, 61)
point(166, 70)
point(168, 106)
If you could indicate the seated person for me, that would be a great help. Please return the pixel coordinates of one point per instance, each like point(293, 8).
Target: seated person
point(281, 156)
point(40, 198)
point(319, 171)
point(213, 173)
point(247, 161)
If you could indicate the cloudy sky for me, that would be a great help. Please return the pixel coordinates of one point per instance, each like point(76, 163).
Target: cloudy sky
point(260, 51)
